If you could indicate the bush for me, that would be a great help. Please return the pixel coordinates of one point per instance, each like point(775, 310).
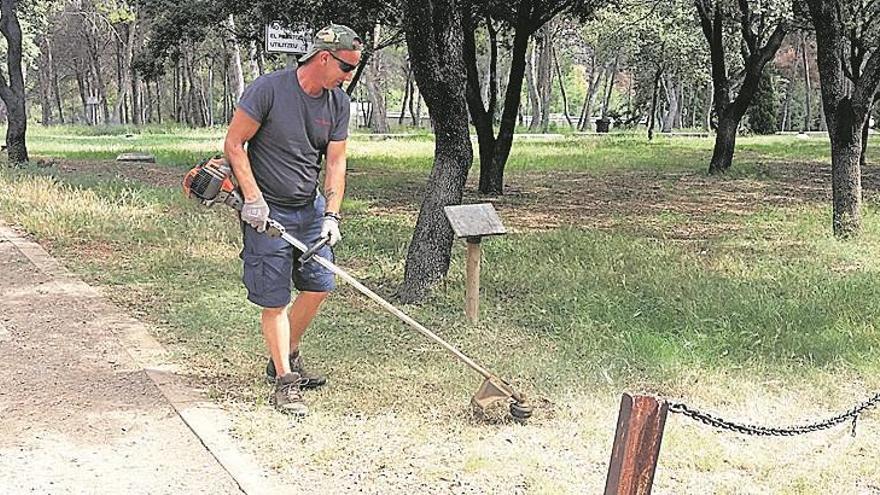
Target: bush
point(765, 107)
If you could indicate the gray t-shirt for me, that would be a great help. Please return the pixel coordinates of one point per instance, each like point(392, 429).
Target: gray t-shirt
point(286, 151)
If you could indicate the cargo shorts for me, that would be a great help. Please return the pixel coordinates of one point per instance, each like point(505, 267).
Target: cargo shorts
point(271, 264)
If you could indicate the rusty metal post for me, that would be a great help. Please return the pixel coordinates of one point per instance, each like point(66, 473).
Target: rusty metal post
point(636, 445)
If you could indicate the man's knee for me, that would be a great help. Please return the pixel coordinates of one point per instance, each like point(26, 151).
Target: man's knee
point(273, 312)
point(313, 297)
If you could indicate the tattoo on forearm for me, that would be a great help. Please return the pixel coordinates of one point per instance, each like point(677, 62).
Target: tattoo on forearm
point(329, 193)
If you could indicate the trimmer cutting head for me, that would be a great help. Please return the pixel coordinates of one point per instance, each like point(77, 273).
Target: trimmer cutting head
point(494, 390)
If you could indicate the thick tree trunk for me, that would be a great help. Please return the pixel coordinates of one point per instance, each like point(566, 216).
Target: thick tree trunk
point(846, 108)
point(725, 143)
point(434, 40)
point(845, 130)
point(13, 92)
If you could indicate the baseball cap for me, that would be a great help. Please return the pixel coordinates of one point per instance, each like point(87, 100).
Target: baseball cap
point(333, 37)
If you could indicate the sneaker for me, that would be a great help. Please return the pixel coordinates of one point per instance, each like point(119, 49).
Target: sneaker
point(310, 379)
point(288, 395)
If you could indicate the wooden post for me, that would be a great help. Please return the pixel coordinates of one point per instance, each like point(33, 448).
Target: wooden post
point(472, 223)
point(472, 290)
point(636, 445)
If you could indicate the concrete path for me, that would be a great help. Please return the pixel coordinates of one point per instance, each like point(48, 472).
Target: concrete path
point(88, 403)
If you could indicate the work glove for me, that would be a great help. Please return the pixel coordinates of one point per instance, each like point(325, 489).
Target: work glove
point(255, 213)
point(330, 230)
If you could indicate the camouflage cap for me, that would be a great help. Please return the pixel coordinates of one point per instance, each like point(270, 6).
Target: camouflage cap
point(333, 37)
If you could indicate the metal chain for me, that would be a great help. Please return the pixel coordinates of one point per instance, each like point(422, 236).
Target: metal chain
point(747, 429)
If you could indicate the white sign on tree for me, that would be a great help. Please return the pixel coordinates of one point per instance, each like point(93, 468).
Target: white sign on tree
point(281, 39)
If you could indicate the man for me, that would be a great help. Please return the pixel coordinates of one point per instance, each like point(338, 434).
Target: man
point(290, 119)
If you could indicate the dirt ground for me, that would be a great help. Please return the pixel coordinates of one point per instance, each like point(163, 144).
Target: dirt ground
point(79, 415)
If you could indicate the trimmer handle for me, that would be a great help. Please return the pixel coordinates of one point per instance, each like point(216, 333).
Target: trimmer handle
point(306, 256)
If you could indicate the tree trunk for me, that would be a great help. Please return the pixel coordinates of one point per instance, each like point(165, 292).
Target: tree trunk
point(434, 40)
point(233, 52)
point(376, 88)
point(807, 90)
point(845, 130)
point(756, 57)
point(532, 88)
point(677, 121)
point(492, 175)
point(845, 115)
point(255, 56)
point(710, 103)
point(545, 74)
point(95, 67)
point(593, 84)
point(13, 91)
point(654, 89)
point(407, 94)
point(55, 90)
point(45, 79)
point(480, 116)
point(725, 143)
point(672, 104)
point(562, 90)
point(124, 78)
point(606, 103)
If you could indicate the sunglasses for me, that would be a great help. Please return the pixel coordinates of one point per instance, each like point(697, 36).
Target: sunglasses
point(343, 65)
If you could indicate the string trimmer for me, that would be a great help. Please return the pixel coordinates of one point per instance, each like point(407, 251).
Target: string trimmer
point(212, 182)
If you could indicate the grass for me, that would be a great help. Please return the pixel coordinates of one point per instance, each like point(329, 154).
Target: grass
point(773, 307)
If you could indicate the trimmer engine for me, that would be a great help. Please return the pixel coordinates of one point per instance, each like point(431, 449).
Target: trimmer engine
point(212, 182)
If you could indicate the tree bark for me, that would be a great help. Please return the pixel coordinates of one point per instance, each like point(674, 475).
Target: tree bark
point(55, 89)
point(562, 90)
point(807, 90)
point(846, 112)
point(13, 92)
point(434, 40)
point(236, 77)
point(376, 88)
point(655, 87)
point(544, 84)
point(593, 83)
point(532, 89)
point(125, 77)
point(407, 94)
point(672, 104)
point(45, 78)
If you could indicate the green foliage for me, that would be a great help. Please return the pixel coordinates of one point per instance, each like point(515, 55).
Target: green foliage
point(763, 114)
